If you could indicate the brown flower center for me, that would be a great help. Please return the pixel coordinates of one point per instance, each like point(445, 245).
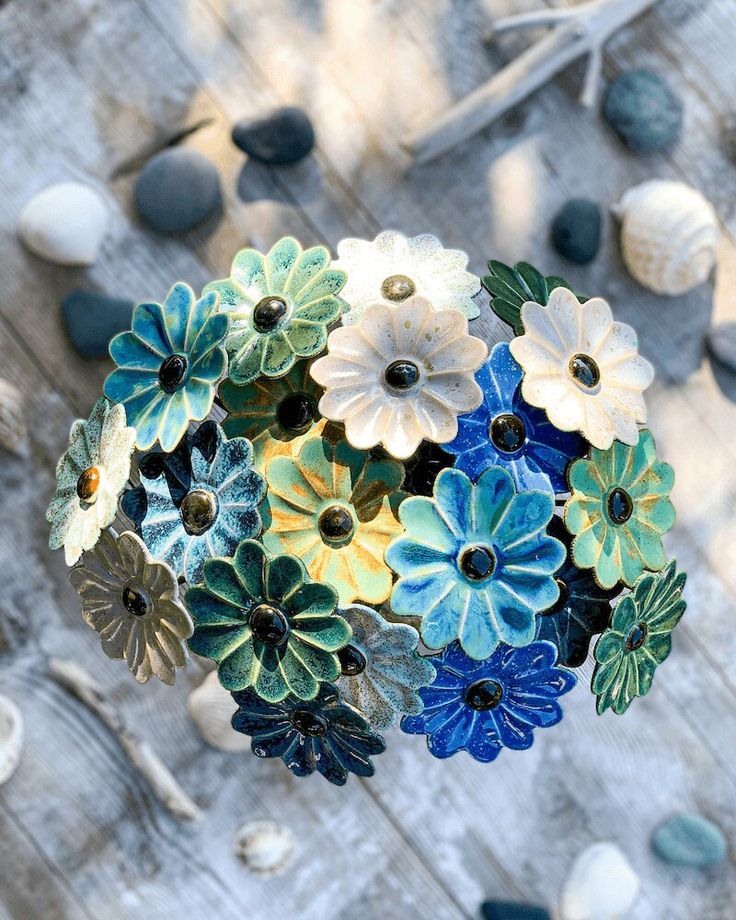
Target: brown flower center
point(198, 511)
point(398, 288)
point(336, 523)
point(88, 484)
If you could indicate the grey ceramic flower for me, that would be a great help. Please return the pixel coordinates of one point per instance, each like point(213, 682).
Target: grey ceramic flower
point(133, 602)
point(381, 668)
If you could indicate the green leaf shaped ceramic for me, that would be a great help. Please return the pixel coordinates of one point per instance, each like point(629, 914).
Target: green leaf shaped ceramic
point(511, 287)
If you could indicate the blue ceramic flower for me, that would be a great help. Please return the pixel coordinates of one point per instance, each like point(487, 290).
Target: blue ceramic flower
point(475, 562)
point(506, 431)
point(168, 365)
point(484, 706)
point(323, 734)
point(184, 523)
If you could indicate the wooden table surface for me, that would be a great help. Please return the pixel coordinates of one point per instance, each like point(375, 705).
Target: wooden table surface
point(88, 89)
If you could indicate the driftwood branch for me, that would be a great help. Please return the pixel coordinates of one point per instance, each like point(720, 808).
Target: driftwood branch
point(577, 31)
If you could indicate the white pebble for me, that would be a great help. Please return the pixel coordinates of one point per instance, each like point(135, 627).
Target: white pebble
point(601, 885)
point(65, 224)
point(265, 847)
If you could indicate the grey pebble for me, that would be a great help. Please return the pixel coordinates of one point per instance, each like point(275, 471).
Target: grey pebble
point(722, 344)
point(689, 840)
point(644, 111)
point(92, 319)
point(176, 190)
point(576, 230)
point(281, 138)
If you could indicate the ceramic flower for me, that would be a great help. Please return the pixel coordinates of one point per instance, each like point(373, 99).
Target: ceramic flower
point(90, 476)
point(168, 365)
point(424, 466)
point(324, 734)
point(618, 510)
point(218, 508)
point(582, 610)
point(133, 602)
point(484, 706)
point(334, 508)
point(475, 562)
point(506, 431)
point(280, 305)
point(640, 638)
point(393, 268)
point(401, 374)
point(583, 368)
point(266, 624)
point(381, 668)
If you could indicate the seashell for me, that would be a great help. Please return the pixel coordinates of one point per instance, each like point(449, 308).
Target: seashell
point(11, 738)
point(265, 846)
point(211, 707)
point(13, 432)
point(601, 885)
point(669, 236)
point(65, 223)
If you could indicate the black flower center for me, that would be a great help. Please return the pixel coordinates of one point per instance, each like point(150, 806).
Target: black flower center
point(135, 601)
point(172, 372)
point(296, 412)
point(508, 432)
point(308, 723)
point(268, 313)
point(398, 288)
point(483, 694)
point(269, 624)
point(584, 371)
point(477, 562)
point(88, 483)
point(352, 661)
point(336, 523)
point(619, 506)
point(198, 511)
point(401, 375)
point(636, 637)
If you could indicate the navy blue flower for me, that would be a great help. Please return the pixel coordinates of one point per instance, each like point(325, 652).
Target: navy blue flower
point(506, 431)
point(323, 734)
point(484, 706)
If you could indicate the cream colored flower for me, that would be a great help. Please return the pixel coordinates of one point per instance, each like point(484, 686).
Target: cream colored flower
point(402, 374)
point(393, 268)
point(583, 368)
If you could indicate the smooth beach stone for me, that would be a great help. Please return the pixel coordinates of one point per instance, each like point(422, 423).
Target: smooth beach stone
point(176, 190)
point(280, 138)
point(507, 910)
point(689, 840)
point(722, 344)
point(576, 230)
point(643, 110)
point(601, 885)
point(65, 224)
point(92, 319)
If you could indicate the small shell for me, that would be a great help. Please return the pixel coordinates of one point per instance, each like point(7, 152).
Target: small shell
point(211, 707)
point(65, 224)
point(11, 738)
point(669, 236)
point(601, 885)
point(265, 847)
point(13, 433)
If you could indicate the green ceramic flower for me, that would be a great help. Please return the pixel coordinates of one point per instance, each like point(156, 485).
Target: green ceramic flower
point(280, 306)
point(618, 510)
point(639, 639)
point(335, 508)
point(267, 624)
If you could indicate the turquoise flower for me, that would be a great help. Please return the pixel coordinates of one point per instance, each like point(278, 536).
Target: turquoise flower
point(168, 365)
point(475, 561)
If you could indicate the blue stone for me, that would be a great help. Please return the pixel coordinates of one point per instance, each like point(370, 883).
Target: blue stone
point(506, 910)
point(282, 137)
point(92, 319)
point(722, 344)
point(576, 230)
point(176, 190)
point(643, 110)
point(689, 840)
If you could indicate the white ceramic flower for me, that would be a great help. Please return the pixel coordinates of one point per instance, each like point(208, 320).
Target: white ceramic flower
point(89, 478)
point(402, 374)
point(133, 602)
point(583, 368)
point(393, 268)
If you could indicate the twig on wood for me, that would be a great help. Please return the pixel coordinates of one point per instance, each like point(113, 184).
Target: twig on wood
point(166, 789)
point(577, 31)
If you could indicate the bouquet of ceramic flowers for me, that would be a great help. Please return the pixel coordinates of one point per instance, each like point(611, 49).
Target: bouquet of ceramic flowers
point(332, 490)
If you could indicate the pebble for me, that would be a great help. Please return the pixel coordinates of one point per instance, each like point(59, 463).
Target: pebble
point(92, 319)
point(576, 230)
point(601, 885)
point(506, 910)
point(689, 840)
point(643, 110)
point(65, 224)
point(282, 137)
point(722, 344)
point(176, 190)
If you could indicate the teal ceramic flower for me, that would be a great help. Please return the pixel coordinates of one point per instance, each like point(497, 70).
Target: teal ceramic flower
point(639, 639)
point(618, 511)
point(475, 562)
point(280, 305)
point(168, 365)
point(267, 624)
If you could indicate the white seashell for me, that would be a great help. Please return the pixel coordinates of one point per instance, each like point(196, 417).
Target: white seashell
point(264, 846)
point(11, 738)
point(13, 432)
point(65, 223)
point(601, 885)
point(669, 236)
point(211, 708)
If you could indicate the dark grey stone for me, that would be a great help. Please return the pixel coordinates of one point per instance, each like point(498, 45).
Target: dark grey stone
point(506, 910)
point(576, 230)
point(722, 344)
point(643, 110)
point(280, 138)
point(689, 840)
point(92, 319)
point(176, 190)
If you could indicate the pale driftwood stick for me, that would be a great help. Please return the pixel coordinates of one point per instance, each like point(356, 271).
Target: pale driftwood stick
point(166, 789)
point(578, 31)
point(546, 17)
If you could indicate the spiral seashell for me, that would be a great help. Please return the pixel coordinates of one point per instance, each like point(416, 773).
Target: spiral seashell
point(264, 846)
point(11, 738)
point(669, 236)
point(211, 707)
point(13, 431)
